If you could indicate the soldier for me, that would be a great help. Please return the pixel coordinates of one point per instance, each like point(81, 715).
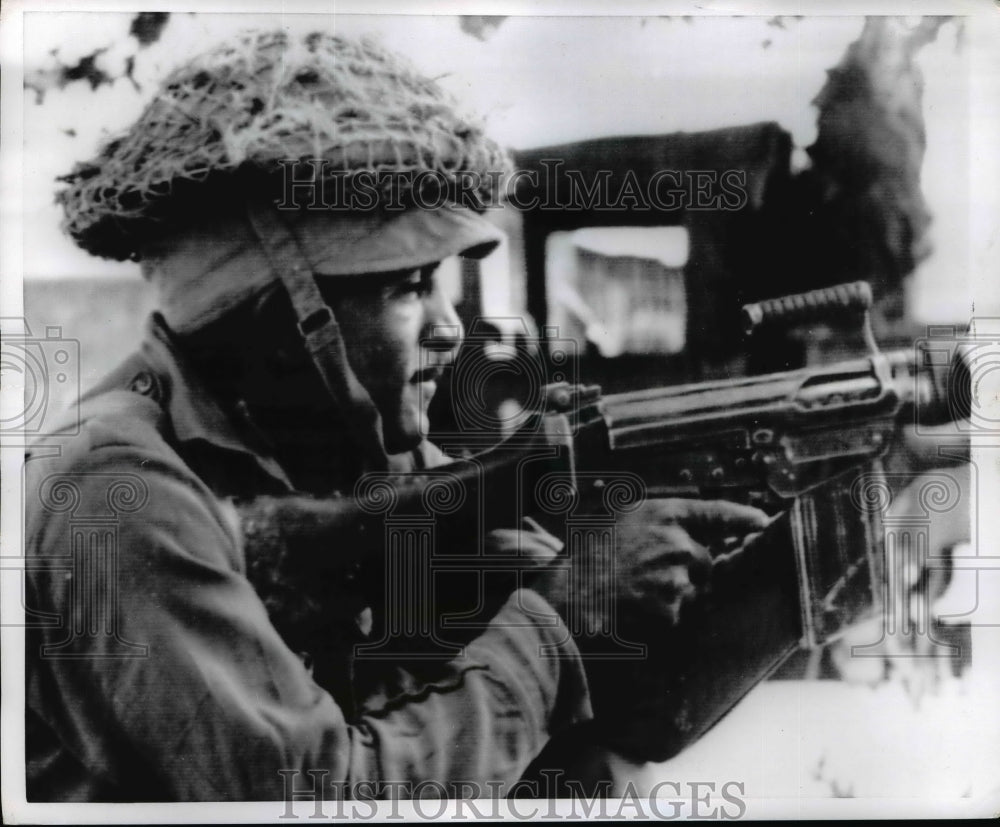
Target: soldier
point(293, 350)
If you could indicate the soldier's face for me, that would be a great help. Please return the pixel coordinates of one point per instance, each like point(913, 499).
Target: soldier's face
point(399, 337)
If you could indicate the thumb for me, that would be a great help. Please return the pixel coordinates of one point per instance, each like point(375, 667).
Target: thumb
point(531, 542)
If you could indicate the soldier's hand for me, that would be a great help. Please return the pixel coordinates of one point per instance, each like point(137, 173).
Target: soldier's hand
point(667, 557)
point(665, 551)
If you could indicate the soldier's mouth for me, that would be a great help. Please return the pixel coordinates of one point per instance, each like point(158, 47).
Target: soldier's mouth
point(431, 373)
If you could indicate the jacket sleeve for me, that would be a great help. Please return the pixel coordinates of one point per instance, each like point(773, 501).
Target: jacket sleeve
point(163, 663)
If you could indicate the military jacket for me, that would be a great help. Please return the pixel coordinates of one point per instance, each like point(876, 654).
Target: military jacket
point(153, 671)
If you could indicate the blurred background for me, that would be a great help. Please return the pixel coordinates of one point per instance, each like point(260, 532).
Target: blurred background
point(850, 139)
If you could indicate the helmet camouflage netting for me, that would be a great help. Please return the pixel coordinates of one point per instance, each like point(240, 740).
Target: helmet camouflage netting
point(264, 99)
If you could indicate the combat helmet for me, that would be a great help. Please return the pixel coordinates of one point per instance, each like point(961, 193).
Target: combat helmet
point(251, 106)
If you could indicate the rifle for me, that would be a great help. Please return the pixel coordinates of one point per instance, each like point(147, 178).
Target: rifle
point(802, 444)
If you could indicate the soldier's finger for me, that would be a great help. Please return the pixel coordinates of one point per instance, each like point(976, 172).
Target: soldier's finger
point(533, 545)
point(657, 545)
point(710, 521)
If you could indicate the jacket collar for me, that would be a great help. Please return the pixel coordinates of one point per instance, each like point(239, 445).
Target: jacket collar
point(195, 413)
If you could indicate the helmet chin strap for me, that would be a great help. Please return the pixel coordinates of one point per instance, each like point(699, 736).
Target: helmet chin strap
point(320, 331)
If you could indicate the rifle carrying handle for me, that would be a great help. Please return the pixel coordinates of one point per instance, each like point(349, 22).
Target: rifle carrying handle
point(851, 298)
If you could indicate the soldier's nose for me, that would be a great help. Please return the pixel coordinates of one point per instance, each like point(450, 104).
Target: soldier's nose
point(443, 332)
point(443, 338)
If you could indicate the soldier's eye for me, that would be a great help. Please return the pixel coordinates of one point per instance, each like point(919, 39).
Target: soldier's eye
point(419, 283)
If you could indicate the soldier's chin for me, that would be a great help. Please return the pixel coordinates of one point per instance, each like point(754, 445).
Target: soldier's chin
point(406, 433)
